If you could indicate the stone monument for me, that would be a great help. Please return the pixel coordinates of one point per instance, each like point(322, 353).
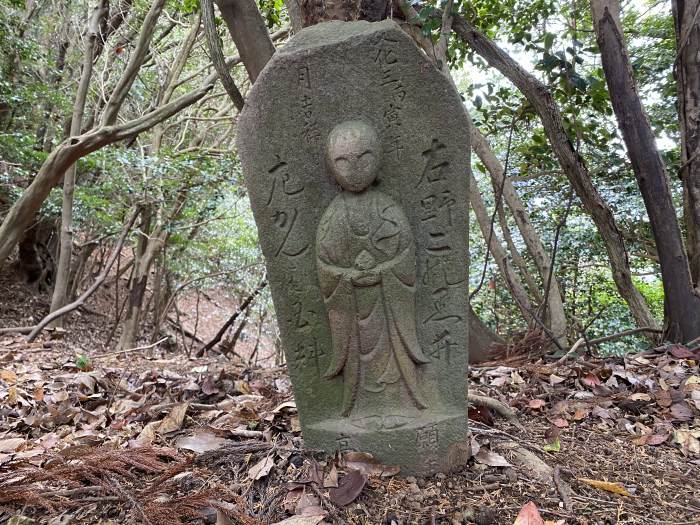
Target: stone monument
point(356, 154)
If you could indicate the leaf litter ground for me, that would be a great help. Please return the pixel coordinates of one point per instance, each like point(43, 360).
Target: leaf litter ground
point(156, 437)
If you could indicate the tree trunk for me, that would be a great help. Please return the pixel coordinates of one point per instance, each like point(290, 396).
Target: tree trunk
point(687, 71)
point(143, 258)
point(60, 291)
point(558, 322)
point(571, 162)
point(681, 301)
point(494, 245)
point(249, 32)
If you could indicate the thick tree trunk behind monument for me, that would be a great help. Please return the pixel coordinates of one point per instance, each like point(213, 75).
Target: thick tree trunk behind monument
point(687, 25)
point(681, 301)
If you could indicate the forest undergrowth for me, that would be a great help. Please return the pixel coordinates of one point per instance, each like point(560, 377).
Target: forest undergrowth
point(89, 436)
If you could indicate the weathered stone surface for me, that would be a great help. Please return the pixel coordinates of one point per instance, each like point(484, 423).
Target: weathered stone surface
point(355, 151)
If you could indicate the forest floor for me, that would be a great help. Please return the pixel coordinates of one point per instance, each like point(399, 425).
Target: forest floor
point(90, 436)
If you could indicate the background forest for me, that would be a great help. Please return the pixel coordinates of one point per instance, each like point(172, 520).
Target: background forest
point(161, 132)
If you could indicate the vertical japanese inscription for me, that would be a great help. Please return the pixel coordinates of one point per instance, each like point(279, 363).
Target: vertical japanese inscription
point(386, 58)
point(442, 271)
point(284, 212)
point(310, 130)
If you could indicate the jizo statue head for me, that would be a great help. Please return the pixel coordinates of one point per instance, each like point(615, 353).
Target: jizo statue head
point(353, 154)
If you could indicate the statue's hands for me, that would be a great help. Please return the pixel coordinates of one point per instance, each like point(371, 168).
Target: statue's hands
point(366, 277)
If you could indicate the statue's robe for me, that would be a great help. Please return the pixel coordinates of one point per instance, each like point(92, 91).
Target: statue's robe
point(366, 263)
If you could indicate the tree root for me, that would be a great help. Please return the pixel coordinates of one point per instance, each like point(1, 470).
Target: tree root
point(494, 404)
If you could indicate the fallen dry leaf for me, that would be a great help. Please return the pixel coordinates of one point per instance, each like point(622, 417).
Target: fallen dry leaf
point(663, 398)
point(368, 464)
point(688, 440)
point(200, 442)
point(8, 376)
point(12, 444)
point(261, 469)
point(640, 396)
point(560, 422)
point(173, 421)
point(536, 404)
point(486, 457)
point(331, 479)
point(681, 412)
point(590, 380)
point(529, 515)
point(349, 487)
point(681, 352)
point(555, 379)
point(148, 434)
point(581, 413)
point(615, 488)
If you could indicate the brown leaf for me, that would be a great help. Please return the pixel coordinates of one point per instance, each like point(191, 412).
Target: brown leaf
point(536, 404)
point(602, 413)
point(349, 487)
point(148, 434)
point(590, 380)
point(688, 440)
point(200, 442)
point(681, 352)
point(555, 379)
point(209, 387)
point(663, 398)
point(291, 405)
point(316, 472)
point(560, 422)
point(308, 505)
point(640, 396)
point(681, 412)
point(12, 444)
point(368, 464)
point(581, 413)
point(173, 421)
point(486, 457)
point(695, 396)
point(529, 515)
point(657, 439)
point(38, 394)
point(8, 376)
point(331, 479)
point(261, 469)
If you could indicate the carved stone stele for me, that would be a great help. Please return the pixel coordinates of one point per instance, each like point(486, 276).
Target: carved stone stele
point(355, 151)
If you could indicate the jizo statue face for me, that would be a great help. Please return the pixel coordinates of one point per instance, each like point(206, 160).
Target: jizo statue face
point(353, 155)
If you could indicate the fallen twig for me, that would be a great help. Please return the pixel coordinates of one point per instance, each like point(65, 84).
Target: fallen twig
point(632, 331)
point(115, 352)
point(494, 404)
point(573, 349)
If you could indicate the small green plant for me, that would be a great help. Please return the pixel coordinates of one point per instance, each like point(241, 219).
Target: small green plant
point(83, 362)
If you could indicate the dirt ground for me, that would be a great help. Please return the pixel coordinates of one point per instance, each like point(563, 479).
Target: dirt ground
point(90, 436)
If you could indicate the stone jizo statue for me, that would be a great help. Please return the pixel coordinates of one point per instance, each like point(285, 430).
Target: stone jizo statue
point(356, 154)
point(366, 261)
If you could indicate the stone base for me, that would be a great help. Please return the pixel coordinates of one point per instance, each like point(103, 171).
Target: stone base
point(420, 446)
